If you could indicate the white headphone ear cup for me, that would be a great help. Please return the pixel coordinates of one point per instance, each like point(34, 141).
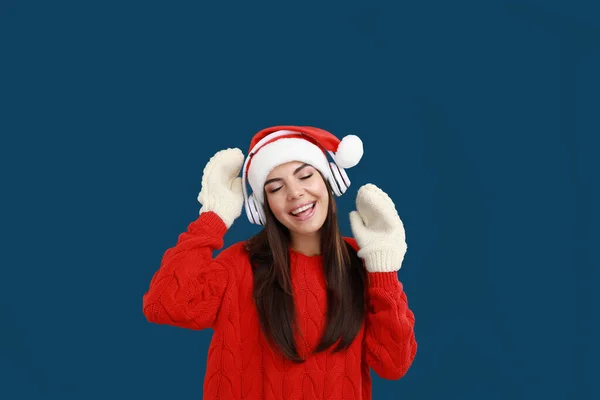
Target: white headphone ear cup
point(341, 180)
point(262, 219)
point(255, 215)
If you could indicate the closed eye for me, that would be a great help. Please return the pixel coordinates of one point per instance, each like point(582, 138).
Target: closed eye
point(274, 190)
point(307, 176)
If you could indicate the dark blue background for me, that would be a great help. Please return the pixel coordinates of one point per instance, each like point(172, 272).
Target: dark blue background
point(478, 119)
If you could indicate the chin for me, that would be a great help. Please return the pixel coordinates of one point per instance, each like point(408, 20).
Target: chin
point(306, 230)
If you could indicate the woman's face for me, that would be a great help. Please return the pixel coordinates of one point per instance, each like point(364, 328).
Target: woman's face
point(297, 196)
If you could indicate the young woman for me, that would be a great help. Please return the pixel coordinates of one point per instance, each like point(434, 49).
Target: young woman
point(298, 311)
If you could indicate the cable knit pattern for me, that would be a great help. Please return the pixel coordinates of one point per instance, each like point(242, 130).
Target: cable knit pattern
point(193, 290)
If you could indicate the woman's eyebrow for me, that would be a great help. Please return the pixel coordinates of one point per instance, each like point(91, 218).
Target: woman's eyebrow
point(300, 167)
point(295, 172)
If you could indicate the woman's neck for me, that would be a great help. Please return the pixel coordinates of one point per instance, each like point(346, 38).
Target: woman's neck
point(309, 245)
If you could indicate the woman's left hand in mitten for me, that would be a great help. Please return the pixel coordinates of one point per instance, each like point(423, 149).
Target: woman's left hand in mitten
point(378, 230)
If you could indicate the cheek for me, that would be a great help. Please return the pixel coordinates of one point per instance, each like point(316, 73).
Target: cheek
point(276, 205)
point(321, 189)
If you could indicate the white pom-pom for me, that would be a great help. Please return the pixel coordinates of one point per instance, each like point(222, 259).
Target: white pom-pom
point(349, 151)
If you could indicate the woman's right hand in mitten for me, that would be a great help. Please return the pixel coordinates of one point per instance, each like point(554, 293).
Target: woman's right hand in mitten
point(221, 190)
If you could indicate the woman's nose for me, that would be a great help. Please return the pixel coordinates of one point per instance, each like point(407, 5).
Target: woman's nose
point(295, 191)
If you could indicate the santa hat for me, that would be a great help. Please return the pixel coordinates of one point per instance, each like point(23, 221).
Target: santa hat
point(277, 145)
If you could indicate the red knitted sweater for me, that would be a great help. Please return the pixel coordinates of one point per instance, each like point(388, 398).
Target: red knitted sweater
point(193, 290)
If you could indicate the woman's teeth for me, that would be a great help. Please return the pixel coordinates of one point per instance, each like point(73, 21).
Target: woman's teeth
point(304, 208)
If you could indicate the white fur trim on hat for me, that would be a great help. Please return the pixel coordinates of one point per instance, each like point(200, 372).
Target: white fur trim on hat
point(279, 152)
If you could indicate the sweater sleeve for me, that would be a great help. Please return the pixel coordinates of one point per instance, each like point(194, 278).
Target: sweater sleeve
point(187, 289)
point(389, 339)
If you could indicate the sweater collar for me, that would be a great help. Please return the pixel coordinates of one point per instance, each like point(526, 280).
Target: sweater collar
point(303, 258)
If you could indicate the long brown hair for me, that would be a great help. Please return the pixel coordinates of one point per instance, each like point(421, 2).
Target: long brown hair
point(345, 279)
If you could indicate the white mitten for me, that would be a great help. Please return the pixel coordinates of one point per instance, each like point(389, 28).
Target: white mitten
point(221, 187)
point(378, 230)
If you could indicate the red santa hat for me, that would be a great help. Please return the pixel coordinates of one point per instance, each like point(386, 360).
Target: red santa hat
point(277, 145)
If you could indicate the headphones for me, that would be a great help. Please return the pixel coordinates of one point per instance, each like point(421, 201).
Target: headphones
point(335, 176)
